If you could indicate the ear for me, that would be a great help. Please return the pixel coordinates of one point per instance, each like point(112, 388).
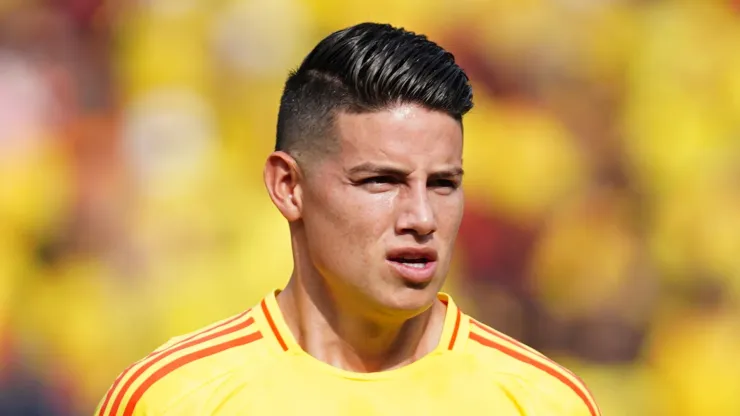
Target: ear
point(282, 178)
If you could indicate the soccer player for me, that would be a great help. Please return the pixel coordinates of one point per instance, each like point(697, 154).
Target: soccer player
point(367, 171)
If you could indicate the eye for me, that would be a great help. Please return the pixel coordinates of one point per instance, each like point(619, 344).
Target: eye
point(381, 183)
point(444, 183)
point(378, 180)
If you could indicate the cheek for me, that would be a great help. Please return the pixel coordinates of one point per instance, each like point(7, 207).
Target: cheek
point(449, 214)
point(343, 225)
point(365, 219)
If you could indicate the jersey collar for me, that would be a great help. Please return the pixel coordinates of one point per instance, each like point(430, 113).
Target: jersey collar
point(453, 331)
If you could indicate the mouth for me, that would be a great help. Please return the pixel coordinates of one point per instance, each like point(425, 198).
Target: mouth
point(416, 263)
point(415, 266)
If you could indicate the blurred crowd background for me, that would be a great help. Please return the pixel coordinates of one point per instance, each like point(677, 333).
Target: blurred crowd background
point(602, 185)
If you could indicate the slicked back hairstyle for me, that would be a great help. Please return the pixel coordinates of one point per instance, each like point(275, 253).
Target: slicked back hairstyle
point(364, 68)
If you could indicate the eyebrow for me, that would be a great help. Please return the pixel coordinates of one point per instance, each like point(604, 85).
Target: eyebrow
point(448, 173)
point(377, 169)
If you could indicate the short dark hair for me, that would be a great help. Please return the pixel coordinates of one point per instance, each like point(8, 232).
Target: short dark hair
point(364, 68)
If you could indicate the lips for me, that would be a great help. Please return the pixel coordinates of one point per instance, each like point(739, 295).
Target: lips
point(415, 265)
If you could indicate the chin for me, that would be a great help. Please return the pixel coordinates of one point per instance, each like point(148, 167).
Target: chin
point(412, 301)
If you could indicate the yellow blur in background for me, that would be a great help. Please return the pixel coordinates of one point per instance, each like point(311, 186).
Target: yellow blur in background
point(603, 183)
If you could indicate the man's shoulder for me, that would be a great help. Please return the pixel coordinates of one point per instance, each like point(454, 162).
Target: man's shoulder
point(186, 365)
point(529, 375)
point(488, 344)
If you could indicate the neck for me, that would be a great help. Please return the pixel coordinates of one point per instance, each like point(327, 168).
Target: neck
point(344, 337)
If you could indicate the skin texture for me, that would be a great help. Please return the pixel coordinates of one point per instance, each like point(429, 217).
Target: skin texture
point(394, 183)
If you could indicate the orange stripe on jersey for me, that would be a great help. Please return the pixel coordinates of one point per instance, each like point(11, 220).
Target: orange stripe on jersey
point(228, 321)
point(455, 330)
point(509, 339)
point(186, 359)
point(270, 322)
point(155, 353)
point(528, 349)
point(539, 365)
point(147, 363)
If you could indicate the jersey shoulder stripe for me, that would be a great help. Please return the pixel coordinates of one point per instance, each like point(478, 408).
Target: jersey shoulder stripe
point(209, 328)
point(173, 343)
point(536, 360)
point(146, 364)
point(506, 338)
point(175, 364)
point(214, 332)
point(514, 342)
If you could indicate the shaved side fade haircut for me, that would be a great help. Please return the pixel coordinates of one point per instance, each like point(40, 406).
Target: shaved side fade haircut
point(366, 68)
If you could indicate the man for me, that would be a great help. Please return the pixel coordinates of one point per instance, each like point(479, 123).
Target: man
point(367, 171)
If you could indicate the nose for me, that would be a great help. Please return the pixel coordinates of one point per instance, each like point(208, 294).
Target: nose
point(417, 214)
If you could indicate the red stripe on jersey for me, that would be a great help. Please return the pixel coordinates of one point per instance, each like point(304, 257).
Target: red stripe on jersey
point(455, 330)
point(186, 359)
point(270, 322)
point(525, 347)
point(549, 370)
point(169, 351)
point(155, 353)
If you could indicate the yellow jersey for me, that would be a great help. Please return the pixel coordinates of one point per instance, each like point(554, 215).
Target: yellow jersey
point(250, 364)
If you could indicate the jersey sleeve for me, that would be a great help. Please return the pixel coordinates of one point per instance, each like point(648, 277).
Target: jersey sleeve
point(537, 393)
point(572, 404)
point(124, 399)
point(104, 408)
point(142, 408)
point(559, 399)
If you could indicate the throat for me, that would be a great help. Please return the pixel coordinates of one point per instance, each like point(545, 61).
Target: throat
point(355, 343)
point(367, 347)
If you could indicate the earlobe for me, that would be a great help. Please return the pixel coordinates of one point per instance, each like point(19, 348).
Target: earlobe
point(282, 180)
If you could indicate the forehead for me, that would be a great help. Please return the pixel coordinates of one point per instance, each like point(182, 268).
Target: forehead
point(406, 134)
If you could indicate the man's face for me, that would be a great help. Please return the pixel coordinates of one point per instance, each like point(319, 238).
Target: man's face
point(382, 213)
